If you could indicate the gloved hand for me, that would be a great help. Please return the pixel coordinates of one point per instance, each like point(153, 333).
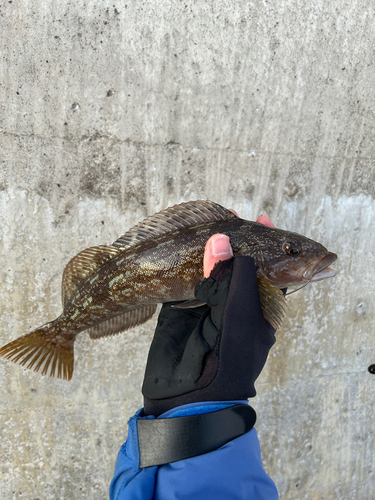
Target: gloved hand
point(210, 356)
point(214, 352)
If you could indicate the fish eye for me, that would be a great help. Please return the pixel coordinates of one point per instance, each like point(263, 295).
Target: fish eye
point(291, 247)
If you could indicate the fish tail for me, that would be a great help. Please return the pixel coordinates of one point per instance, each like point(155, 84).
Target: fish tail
point(39, 351)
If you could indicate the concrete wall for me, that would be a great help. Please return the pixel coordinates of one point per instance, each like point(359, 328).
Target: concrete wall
point(110, 111)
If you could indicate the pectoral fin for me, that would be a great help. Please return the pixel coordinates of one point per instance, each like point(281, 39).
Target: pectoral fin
point(273, 302)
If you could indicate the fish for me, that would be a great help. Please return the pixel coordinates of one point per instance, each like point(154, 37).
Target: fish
point(108, 289)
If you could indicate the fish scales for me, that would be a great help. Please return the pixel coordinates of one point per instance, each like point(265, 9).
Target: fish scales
point(160, 270)
point(109, 289)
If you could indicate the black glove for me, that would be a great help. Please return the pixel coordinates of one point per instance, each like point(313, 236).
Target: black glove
point(214, 352)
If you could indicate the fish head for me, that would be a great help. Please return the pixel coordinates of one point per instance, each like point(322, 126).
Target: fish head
point(296, 260)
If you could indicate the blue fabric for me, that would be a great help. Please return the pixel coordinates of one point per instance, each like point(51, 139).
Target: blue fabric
point(233, 471)
point(201, 407)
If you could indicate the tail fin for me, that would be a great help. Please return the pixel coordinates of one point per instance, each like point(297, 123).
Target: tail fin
point(40, 352)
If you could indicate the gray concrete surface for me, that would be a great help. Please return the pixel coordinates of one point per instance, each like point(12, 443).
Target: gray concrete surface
point(111, 111)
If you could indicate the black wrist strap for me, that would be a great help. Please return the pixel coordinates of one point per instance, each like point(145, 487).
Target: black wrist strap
point(165, 440)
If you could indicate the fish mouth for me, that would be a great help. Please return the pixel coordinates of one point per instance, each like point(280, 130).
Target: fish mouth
point(321, 269)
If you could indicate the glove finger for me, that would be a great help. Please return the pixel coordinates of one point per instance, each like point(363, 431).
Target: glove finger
point(214, 290)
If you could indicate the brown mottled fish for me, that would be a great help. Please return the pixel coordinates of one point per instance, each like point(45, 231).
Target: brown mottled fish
point(109, 289)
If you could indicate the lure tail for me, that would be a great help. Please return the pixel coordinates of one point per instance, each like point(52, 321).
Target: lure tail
point(42, 352)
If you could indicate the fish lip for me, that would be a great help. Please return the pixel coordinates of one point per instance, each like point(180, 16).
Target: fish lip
point(321, 269)
point(322, 275)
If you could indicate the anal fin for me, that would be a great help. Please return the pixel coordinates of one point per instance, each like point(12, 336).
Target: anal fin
point(273, 302)
point(122, 322)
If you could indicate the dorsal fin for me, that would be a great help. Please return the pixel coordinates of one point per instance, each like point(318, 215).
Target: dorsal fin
point(176, 217)
point(81, 266)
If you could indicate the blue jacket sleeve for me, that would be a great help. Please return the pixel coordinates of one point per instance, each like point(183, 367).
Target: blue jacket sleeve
point(233, 471)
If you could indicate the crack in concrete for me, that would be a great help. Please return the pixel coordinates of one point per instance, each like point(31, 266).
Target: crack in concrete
point(171, 144)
